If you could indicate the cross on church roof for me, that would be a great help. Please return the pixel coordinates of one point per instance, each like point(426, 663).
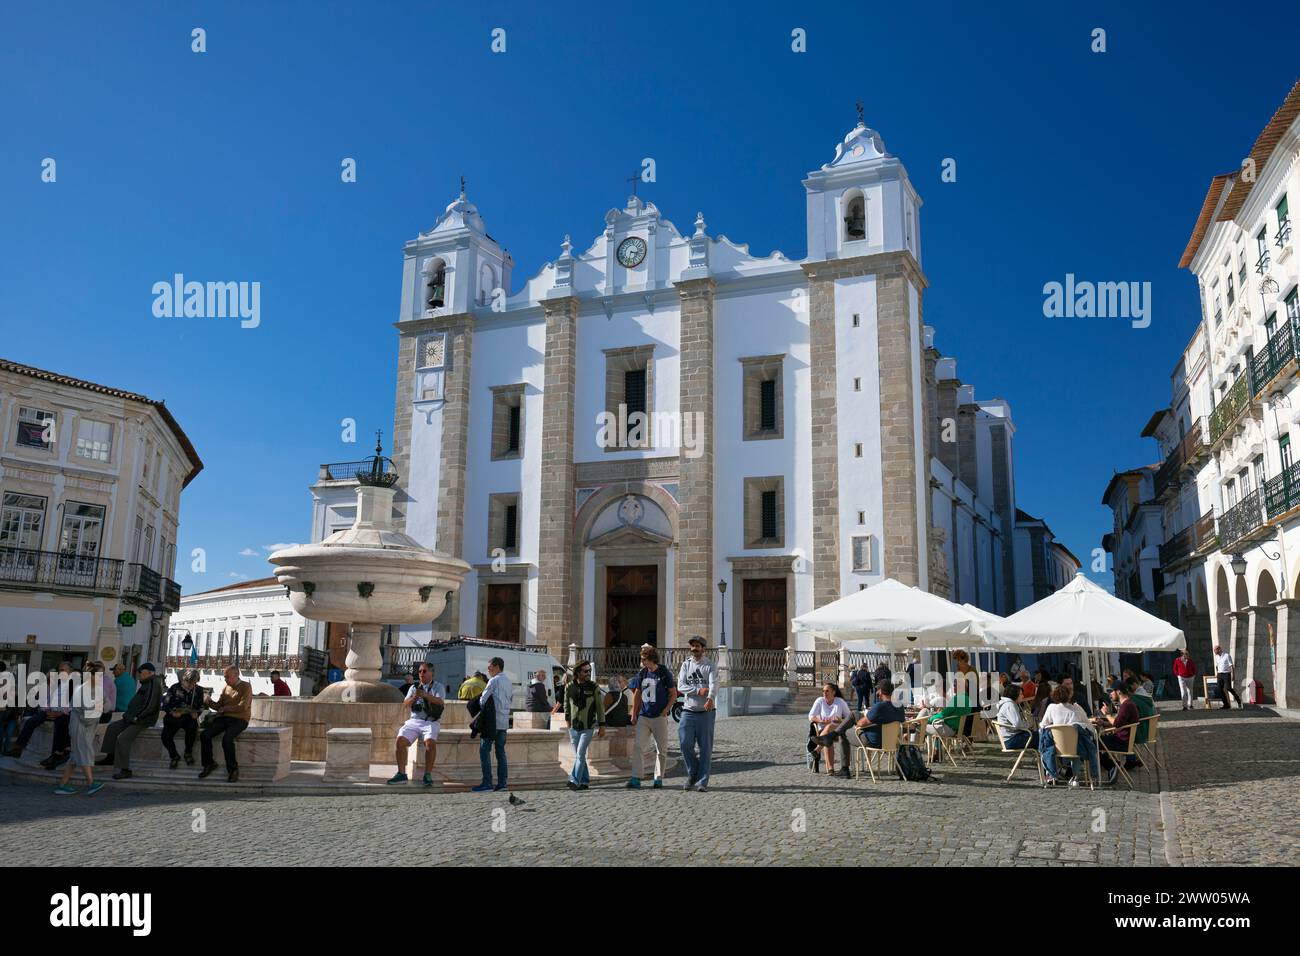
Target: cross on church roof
point(861, 121)
point(634, 179)
point(462, 187)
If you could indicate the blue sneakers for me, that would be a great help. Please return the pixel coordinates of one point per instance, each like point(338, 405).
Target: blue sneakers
point(658, 784)
point(398, 777)
point(94, 788)
point(481, 788)
point(634, 783)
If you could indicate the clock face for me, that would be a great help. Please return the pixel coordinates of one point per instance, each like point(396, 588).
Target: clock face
point(631, 251)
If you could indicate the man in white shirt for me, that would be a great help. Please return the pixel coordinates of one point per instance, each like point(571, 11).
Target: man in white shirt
point(424, 703)
point(829, 714)
point(1225, 675)
point(500, 691)
point(1014, 728)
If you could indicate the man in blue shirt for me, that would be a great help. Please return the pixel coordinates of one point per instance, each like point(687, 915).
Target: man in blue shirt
point(500, 691)
point(125, 685)
point(883, 711)
point(654, 691)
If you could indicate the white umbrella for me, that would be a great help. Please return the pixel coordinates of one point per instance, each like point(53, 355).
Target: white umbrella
point(1083, 617)
point(896, 618)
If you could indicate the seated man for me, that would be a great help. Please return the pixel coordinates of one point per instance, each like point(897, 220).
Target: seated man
point(141, 713)
point(1013, 726)
point(537, 701)
point(1146, 707)
point(1125, 714)
point(829, 714)
point(424, 702)
point(234, 710)
point(883, 711)
point(1061, 712)
point(57, 710)
point(181, 707)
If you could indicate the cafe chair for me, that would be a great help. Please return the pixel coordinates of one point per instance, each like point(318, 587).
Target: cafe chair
point(888, 749)
point(1066, 739)
point(1129, 751)
point(998, 728)
point(1149, 747)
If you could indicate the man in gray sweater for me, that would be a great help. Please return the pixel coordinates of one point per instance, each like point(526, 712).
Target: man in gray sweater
point(697, 682)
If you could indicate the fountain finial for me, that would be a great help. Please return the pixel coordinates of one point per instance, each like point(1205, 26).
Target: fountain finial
point(380, 473)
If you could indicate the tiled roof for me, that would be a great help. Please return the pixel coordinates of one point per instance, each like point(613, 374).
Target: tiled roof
point(196, 464)
point(240, 586)
point(1268, 139)
point(1203, 220)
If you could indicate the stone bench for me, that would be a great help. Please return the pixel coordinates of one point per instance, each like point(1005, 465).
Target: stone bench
point(347, 755)
point(42, 742)
point(529, 720)
point(263, 752)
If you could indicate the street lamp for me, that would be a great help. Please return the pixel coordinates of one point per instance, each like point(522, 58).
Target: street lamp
point(156, 614)
point(722, 589)
point(1238, 564)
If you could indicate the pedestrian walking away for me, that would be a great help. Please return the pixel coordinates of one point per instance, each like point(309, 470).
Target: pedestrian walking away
point(697, 683)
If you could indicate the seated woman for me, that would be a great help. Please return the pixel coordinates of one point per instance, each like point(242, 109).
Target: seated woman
point(829, 714)
point(1015, 729)
point(1062, 712)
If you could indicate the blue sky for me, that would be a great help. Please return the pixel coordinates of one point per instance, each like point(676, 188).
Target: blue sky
point(225, 166)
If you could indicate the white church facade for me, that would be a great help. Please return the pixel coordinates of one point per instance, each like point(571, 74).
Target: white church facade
point(662, 412)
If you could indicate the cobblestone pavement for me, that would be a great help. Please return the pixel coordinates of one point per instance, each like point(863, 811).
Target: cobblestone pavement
point(1233, 780)
point(765, 806)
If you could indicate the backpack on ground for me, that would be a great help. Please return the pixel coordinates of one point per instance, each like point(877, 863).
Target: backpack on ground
point(910, 764)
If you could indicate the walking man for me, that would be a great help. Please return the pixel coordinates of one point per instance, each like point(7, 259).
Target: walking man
point(697, 682)
point(862, 685)
point(652, 700)
point(142, 712)
point(425, 702)
point(1225, 673)
point(499, 691)
point(1185, 671)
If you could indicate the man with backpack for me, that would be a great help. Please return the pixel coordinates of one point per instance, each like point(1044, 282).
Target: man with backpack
point(425, 701)
point(862, 685)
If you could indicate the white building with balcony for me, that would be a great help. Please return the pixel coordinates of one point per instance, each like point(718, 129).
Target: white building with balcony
point(1243, 254)
point(90, 490)
point(251, 625)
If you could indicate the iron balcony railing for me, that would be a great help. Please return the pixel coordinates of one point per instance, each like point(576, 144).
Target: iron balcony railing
point(1190, 450)
point(1283, 233)
point(1232, 406)
point(143, 585)
point(344, 470)
point(1206, 537)
point(1274, 357)
point(1241, 519)
point(53, 569)
point(1178, 547)
point(1282, 492)
point(1262, 263)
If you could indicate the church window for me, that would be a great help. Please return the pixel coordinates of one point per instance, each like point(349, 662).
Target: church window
point(861, 552)
point(761, 397)
point(857, 320)
point(764, 503)
point(629, 390)
point(857, 450)
point(503, 524)
point(855, 216)
point(507, 421)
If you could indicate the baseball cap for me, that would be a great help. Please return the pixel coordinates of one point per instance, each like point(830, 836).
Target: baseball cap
point(146, 666)
point(696, 640)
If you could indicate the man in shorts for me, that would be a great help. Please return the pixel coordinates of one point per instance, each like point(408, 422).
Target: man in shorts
point(424, 702)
